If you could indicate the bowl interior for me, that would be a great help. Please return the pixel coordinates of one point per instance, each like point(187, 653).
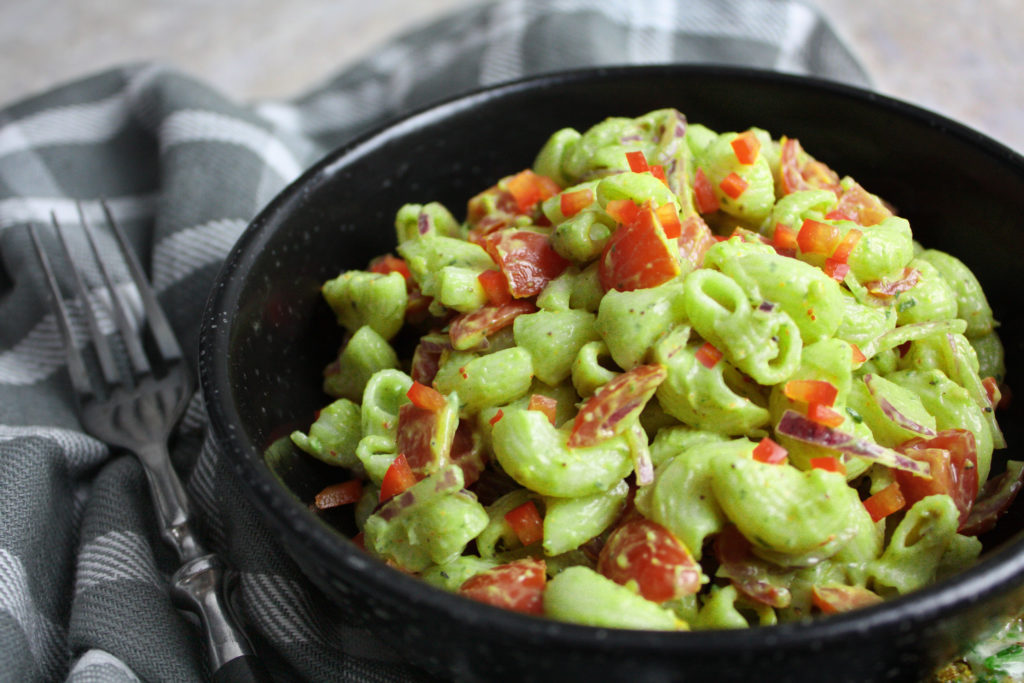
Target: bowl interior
point(268, 334)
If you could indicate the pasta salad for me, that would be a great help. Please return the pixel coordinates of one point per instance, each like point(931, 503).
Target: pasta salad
point(666, 378)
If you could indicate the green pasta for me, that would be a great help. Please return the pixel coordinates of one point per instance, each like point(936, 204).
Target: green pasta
point(666, 378)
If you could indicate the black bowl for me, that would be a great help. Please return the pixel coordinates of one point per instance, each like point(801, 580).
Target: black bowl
point(267, 336)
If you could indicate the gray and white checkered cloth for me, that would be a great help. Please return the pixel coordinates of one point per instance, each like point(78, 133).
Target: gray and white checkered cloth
point(83, 571)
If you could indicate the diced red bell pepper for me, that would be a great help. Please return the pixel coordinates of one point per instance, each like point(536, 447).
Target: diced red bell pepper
point(389, 263)
point(397, 478)
point(658, 171)
point(495, 286)
point(829, 464)
point(847, 245)
point(637, 162)
point(708, 355)
point(784, 237)
point(769, 452)
point(824, 415)
point(571, 203)
point(858, 355)
point(887, 501)
point(527, 259)
point(426, 397)
point(811, 391)
point(623, 211)
point(733, 185)
point(528, 188)
point(638, 255)
point(746, 146)
point(544, 404)
point(526, 522)
point(703, 193)
point(339, 494)
point(816, 237)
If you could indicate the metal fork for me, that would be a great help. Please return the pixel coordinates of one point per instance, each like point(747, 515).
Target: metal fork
point(134, 404)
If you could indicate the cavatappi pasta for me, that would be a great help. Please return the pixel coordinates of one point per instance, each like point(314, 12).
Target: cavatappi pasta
point(667, 378)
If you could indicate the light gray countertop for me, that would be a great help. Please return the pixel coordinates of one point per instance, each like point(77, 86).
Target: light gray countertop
point(961, 58)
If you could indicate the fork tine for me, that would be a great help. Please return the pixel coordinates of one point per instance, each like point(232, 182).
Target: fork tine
point(76, 364)
point(133, 345)
point(163, 334)
point(105, 355)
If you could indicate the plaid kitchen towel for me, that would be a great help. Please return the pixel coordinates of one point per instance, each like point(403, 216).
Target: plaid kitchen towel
point(83, 571)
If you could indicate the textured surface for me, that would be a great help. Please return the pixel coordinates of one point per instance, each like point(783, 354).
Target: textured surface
point(960, 58)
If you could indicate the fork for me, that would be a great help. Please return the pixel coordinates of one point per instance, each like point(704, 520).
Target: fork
point(134, 403)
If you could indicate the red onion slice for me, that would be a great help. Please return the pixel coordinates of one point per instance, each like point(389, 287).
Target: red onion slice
point(892, 412)
point(799, 427)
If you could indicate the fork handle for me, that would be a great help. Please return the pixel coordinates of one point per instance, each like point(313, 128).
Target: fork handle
point(198, 586)
point(170, 501)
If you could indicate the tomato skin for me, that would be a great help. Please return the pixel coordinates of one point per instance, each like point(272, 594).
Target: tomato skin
point(802, 172)
point(861, 207)
point(749, 575)
point(886, 289)
point(638, 255)
point(417, 430)
point(621, 397)
point(544, 404)
point(495, 286)
point(469, 329)
point(517, 586)
point(953, 456)
point(468, 452)
point(527, 259)
point(695, 239)
point(426, 359)
point(703, 193)
point(833, 599)
point(642, 551)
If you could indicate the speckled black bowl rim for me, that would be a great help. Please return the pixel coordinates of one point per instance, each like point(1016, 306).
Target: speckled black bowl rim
point(998, 573)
